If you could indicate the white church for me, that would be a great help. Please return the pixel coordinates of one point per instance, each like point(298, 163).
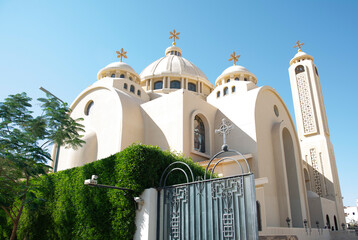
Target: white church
point(172, 104)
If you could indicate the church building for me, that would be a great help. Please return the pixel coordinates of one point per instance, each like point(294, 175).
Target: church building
point(172, 104)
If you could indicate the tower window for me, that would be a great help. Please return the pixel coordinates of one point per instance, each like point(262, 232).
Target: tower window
point(192, 87)
point(316, 70)
point(130, 78)
point(158, 85)
point(299, 69)
point(226, 90)
point(121, 76)
point(113, 75)
point(175, 84)
point(245, 79)
point(125, 86)
point(237, 79)
point(132, 89)
point(228, 80)
point(218, 94)
point(138, 92)
point(88, 107)
point(233, 89)
point(199, 134)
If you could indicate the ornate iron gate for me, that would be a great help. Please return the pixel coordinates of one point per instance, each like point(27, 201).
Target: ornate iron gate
point(214, 209)
point(223, 208)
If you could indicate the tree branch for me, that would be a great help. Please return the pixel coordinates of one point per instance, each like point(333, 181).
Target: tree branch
point(7, 212)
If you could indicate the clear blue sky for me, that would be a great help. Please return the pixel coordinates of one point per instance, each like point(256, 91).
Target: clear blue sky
point(61, 45)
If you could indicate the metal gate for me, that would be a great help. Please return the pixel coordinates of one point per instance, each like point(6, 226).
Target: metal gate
point(214, 209)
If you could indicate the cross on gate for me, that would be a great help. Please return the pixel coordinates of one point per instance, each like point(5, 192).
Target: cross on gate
point(224, 130)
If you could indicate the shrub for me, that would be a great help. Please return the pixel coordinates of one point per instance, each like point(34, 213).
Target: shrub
point(71, 210)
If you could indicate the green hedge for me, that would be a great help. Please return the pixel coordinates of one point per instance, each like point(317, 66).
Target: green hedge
point(71, 210)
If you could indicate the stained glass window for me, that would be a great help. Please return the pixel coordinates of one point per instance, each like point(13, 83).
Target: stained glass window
point(199, 134)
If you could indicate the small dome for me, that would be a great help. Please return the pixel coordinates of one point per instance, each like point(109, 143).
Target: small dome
point(300, 55)
point(117, 66)
point(311, 194)
point(236, 70)
point(173, 64)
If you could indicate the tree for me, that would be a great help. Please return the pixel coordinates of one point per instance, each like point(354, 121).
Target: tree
point(24, 142)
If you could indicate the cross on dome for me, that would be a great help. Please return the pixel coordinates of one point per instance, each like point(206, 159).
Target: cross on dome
point(298, 45)
point(121, 54)
point(174, 35)
point(234, 57)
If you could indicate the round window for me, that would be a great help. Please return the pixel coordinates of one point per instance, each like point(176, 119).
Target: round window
point(275, 109)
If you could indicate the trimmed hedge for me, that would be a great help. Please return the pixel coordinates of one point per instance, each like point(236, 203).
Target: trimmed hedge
point(71, 210)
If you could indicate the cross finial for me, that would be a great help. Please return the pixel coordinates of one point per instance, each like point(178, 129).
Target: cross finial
point(298, 45)
point(121, 54)
point(224, 130)
point(234, 57)
point(174, 35)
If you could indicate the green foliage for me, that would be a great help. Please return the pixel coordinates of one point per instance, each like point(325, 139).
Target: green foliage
point(22, 154)
point(72, 210)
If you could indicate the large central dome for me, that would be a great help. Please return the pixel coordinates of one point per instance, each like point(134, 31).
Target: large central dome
point(173, 64)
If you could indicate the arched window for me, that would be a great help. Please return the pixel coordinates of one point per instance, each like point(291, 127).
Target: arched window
point(158, 85)
point(175, 84)
point(299, 69)
point(88, 107)
point(132, 89)
point(226, 90)
point(113, 75)
point(130, 78)
point(121, 76)
point(125, 86)
point(218, 94)
point(307, 179)
point(192, 87)
point(245, 79)
point(233, 89)
point(138, 92)
point(237, 79)
point(199, 134)
point(228, 80)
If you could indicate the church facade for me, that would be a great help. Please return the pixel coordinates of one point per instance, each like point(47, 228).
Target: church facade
point(172, 104)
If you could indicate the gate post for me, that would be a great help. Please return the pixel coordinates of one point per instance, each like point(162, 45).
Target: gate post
point(146, 216)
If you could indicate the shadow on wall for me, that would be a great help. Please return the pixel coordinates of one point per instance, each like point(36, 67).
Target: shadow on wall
point(237, 140)
point(320, 194)
point(153, 135)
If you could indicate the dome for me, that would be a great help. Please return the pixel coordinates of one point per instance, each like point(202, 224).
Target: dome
point(238, 71)
point(117, 66)
point(300, 55)
point(173, 64)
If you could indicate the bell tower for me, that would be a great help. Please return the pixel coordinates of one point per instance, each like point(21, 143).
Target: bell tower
point(320, 169)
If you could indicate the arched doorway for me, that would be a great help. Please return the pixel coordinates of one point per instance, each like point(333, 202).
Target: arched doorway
point(335, 223)
point(328, 223)
point(258, 208)
point(292, 179)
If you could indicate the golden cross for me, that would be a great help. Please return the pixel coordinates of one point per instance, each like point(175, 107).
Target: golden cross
point(298, 44)
point(121, 54)
point(234, 57)
point(174, 35)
